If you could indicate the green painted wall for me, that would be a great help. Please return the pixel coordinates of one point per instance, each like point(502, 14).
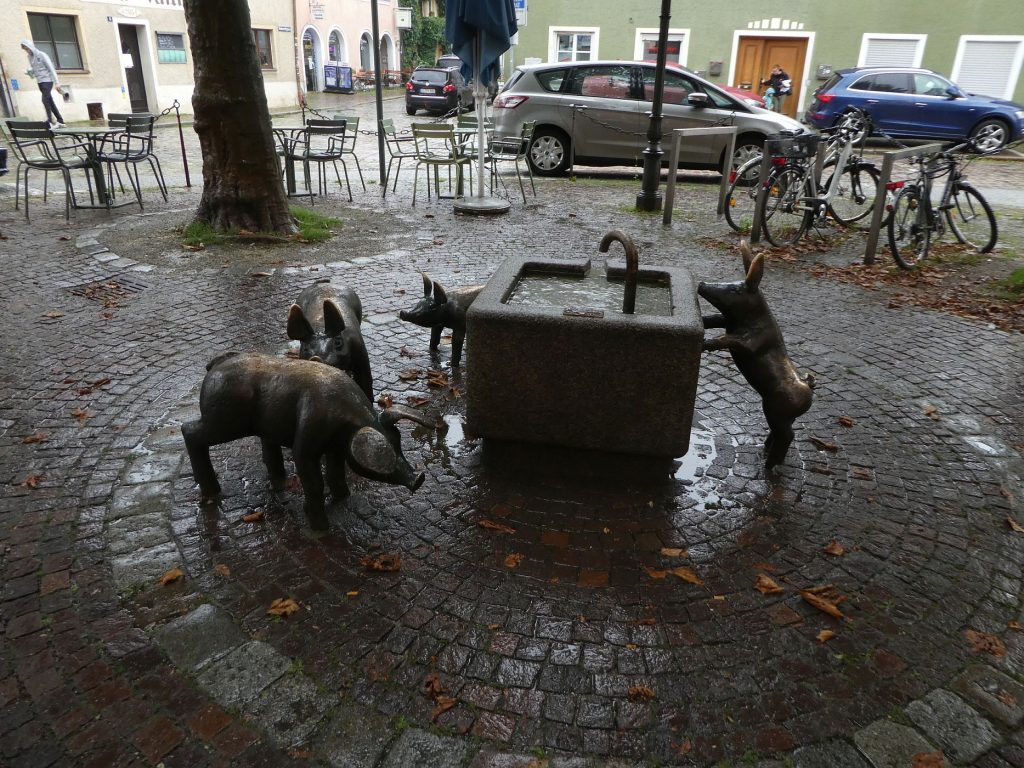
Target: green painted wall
point(838, 27)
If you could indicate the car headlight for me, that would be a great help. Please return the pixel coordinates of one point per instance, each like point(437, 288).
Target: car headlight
point(1020, 114)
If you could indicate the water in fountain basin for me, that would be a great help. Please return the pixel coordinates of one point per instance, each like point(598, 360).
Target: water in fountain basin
point(592, 291)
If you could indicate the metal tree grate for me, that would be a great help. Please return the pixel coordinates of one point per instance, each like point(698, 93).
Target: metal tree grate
point(110, 293)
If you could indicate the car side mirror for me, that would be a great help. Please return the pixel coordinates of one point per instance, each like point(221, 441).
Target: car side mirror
point(954, 93)
point(698, 100)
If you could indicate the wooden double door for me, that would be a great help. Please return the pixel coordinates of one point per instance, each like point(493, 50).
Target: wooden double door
point(756, 57)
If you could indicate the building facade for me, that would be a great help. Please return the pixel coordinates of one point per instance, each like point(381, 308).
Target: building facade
point(981, 45)
point(134, 55)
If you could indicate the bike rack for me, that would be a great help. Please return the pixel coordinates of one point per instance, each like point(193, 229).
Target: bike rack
point(888, 159)
point(762, 188)
point(673, 167)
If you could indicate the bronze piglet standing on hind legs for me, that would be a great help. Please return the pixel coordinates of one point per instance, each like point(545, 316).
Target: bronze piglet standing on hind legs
point(753, 338)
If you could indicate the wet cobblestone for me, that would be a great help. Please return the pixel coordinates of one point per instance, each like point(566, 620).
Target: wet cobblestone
point(557, 653)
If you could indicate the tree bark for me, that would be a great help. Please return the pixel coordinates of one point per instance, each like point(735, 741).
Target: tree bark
point(242, 186)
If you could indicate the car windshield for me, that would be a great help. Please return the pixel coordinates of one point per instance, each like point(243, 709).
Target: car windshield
point(430, 76)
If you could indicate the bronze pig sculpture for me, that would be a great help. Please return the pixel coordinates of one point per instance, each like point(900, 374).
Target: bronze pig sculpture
point(753, 338)
point(316, 410)
point(325, 320)
point(440, 309)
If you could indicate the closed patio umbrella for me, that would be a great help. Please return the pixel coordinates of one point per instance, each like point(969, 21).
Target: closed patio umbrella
point(480, 31)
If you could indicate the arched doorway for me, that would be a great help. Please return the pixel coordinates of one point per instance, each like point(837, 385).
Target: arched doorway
point(336, 48)
point(312, 62)
point(387, 53)
point(365, 52)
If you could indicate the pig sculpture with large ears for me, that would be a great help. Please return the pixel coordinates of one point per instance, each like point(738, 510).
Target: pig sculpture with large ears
point(325, 321)
point(440, 309)
point(316, 410)
point(753, 338)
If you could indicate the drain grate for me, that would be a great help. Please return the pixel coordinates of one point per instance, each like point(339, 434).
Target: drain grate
point(110, 293)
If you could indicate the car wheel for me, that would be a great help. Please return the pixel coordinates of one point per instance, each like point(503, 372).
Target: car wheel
point(747, 148)
point(410, 109)
point(990, 135)
point(549, 152)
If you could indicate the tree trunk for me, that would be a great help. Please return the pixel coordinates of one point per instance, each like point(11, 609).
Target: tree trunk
point(242, 186)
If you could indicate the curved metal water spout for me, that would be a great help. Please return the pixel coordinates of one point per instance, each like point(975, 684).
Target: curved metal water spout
point(632, 266)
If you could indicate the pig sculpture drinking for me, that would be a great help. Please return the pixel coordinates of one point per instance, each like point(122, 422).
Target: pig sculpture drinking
point(325, 321)
point(440, 309)
point(753, 338)
point(316, 410)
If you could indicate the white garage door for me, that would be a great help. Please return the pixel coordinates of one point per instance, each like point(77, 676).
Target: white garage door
point(988, 67)
point(891, 51)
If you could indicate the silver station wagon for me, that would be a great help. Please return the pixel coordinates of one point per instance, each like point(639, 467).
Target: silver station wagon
point(597, 113)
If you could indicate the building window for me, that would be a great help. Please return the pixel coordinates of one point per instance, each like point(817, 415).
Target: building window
point(170, 48)
point(645, 47)
point(334, 47)
point(56, 37)
point(989, 64)
point(877, 50)
point(263, 49)
point(573, 44)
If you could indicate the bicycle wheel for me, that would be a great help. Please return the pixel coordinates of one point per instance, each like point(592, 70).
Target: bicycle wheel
point(785, 216)
point(908, 232)
point(855, 196)
point(971, 219)
point(742, 198)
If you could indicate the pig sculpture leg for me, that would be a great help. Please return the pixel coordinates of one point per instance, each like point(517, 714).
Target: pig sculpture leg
point(198, 446)
point(274, 462)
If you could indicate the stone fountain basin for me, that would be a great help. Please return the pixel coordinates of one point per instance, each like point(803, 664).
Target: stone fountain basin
point(578, 379)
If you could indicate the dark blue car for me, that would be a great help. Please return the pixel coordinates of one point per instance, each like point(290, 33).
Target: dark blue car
point(917, 103)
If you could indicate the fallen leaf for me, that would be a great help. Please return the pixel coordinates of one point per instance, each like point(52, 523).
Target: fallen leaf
point(686, 574)
point(674, 552)
point(655, 574)
point(437, 379)
point(928, 760)
point(389, 563)
point(82, 415)
point(766, 585)
point(834, 548)
point(1007, 698)
point(282, 606)
point(253, 517)
point(823, 604)
point(198, 247)
point(31, 481)
point(353, 593)
point(641, 692)
point(606, 530)
point(931, 412)
point(409, 374)
point(294, 484)
point(861, 473)
point(444, 703)
point(493, 526)
point(983, 642)
point(300, 754)
point(171, 576)
point(36, 437)
point(493, 627)
point(432, 687)
point(846, 421)
point(64, 237)
point(512, 560)
point(53, 314)
point(406, 352)
point(632, 646)
point(768, 567)
point(439, 242)
point(259, 274)
point(823, 445)
point(648, 622)
point(417, 400)
point(1014, 525)
point(685, 747)
point(1015, 625)
point(825, 635)
point(222, 570)
point(385, 401)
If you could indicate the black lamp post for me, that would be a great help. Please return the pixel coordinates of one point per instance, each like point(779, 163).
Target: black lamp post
point(375, 29)
point(649, 198)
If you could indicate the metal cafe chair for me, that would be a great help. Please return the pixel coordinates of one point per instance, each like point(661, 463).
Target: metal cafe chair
point(349, 143)
point(399, 148)
point(322, 142)
point(130, 147)
point(513, 150)
point(437, 147)
point(35, 147)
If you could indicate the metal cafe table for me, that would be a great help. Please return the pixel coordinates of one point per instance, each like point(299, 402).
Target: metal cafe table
point(94, 136)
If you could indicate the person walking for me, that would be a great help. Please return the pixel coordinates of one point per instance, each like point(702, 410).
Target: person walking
point(46, 77)
point(780, 81)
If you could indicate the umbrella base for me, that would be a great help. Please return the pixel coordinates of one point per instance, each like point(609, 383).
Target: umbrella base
point(482, 206)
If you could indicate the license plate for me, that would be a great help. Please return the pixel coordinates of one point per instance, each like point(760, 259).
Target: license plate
point(428, 91)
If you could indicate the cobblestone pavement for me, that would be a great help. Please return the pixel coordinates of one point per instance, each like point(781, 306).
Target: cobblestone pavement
point(536, 618)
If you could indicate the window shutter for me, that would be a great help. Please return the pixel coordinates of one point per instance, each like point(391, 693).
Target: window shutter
point(891, 52)
point(986, 65)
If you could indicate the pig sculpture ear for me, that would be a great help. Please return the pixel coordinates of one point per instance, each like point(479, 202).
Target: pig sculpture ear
point(755, 272)
point(334, 323)
point(427, 287)
point(748, 255)
point(371, 452)
point(440, 297)
point(299, 328)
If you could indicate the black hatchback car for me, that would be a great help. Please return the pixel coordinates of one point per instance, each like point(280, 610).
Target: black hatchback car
point(437, 89)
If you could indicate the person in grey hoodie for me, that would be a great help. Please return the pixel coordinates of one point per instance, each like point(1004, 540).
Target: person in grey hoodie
point(46, 77)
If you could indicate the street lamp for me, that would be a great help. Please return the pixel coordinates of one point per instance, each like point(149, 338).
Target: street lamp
point(649, 198)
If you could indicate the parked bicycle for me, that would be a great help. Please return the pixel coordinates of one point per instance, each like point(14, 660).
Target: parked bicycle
point(915, 221)
point(847, 196)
